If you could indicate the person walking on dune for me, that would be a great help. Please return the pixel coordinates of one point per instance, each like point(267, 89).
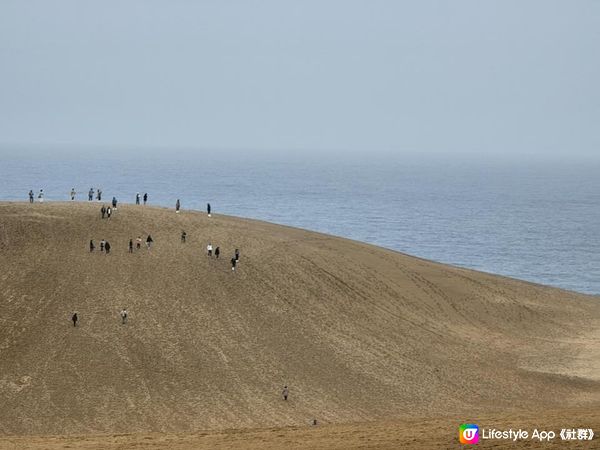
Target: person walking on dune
point(183, 237)
point(107, 247)
point(103, 211)
point(145, 197)
point(108, 212)
point(217, 252)
point(209, 249)
point(137, 198)
point(123, 316)
point(237, 255)
point(208, 209)
point(74, 318)
point(130, 245)
point(233, 263)
point(177, 206)
point(72, 194)
point(30, 196)
point(92, 246)
point(149, 242)
point(285, 393)
point(138, 242)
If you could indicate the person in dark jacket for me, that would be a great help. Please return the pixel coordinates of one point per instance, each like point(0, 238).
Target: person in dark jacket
point(217, 252)
point(177, 206)
point(114, 202)
point(107, 247)
point(30, 196)
point(208, 209)
point(74, 318)
point(92, 246)
point(237, 255)
point(183, 236)
point(149, 242)
point(103, 211)
point(233, 263)
point(137, 198)
point(145, 198)
point(130, 245)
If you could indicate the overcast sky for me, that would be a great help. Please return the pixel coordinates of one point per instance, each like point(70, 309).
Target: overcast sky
point(404, 76)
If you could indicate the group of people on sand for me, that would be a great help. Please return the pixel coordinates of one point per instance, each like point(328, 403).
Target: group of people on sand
point(123, 314)
point(40, 196)
point(138, 243)
point(106, 211)
point(104, 246)
point(137, 198)
point(90, 194)
point(217, 252)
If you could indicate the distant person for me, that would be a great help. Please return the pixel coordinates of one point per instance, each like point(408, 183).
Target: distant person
point(149, 242)
point(137, 198)
point(99, 195)
point(107, 247)
point(208, 209)
point(123, 316)
point(41, 196)
point(237, 255)
point(103, 211)
point(285, 393)
point(92, 246)
point(217, 252)
point(30, 196)
point(183, 236)
point(102, 243)
point(130, 245)
point(114, 202)
point(233, 263)
point(74, 318)
point(145, 198)
point(108, 212)
point(91, 194)
point(138, 242)
point(177, 206)
point(72, 194)
point(209, 249)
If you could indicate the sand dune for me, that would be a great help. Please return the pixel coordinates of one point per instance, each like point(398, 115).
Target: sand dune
point(359, 333)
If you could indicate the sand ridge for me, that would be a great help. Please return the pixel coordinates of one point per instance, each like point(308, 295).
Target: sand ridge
point(359, 333)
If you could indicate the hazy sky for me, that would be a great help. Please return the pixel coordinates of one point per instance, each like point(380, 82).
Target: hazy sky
point(417, 76)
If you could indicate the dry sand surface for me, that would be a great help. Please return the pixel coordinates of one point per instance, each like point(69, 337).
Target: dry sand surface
point(368, 339)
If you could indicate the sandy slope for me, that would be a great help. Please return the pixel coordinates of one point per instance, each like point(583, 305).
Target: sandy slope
point(358, 332)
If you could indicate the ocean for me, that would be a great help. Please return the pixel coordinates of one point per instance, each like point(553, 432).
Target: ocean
point(537, 221)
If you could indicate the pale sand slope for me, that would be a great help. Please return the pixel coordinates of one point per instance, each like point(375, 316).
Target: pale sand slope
point(359, 333)
point(413, 433)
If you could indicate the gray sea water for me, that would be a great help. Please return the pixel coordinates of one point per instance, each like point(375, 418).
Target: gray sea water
point(537, 221)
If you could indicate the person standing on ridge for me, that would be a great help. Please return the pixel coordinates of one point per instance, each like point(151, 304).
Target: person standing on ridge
point(183, 237)
point(130, 245)
point(137, 198)
point(72, 194)
point(99, 195)
point(92, 246)
point(30, 196)
point(41, 196)
point(217, 252)
point(177, 206)
point(208, 209)
point(91, 194)
point(285, 393)
point(123, 316)
point(114, 202)
point(209, 249)
point(145, 197)
point(74, 318)
point(149, 242)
